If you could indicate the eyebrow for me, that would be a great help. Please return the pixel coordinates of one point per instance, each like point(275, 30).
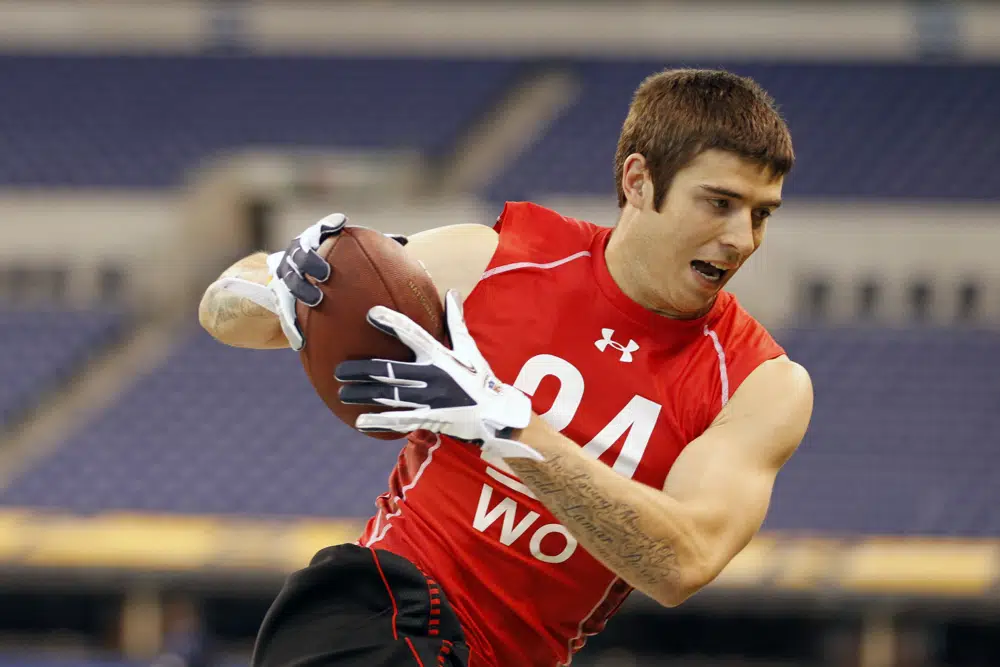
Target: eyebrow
point(774, 203)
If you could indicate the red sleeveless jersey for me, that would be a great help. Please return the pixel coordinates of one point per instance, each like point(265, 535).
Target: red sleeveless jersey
point(629, 386)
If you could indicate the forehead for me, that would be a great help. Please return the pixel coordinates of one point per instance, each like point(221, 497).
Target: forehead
point(731, 171)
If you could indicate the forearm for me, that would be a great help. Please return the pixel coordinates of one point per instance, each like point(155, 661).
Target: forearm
point(235, 320)
point(637, 532)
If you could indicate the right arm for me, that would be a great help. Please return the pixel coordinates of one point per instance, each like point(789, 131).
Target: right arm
point(235, 320)
point(455, 256)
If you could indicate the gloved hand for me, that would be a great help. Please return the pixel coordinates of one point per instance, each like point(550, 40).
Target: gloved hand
point(453, 392)
point(289, 269)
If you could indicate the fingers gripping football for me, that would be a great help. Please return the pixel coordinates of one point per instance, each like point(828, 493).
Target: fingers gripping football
point(292, 269)
point(419, 384)
point(299, 269)
point(399, 384)
point(453, 392)
point(406, 330)
point(461, 340)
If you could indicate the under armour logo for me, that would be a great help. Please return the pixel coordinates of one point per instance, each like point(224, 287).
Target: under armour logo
point(606, 342)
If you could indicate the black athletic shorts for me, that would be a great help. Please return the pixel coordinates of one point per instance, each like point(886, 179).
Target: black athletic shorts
point(361, 607)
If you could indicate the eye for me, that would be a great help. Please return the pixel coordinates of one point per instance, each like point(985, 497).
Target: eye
point(760, 216)
point(719, 203)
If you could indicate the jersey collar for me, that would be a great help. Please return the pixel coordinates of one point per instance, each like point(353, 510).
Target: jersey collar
point(639, 314)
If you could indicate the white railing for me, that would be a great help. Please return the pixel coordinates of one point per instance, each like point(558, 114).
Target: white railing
point(880, 30)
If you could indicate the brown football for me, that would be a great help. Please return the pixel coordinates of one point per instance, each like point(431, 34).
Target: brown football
point(369, 269)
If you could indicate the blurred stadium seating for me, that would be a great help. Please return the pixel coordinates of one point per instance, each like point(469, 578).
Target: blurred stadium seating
point(196, 436)
point(145, 121)
point(46, 347)
point(941, 143)
point(882, 524)
point(905, 420)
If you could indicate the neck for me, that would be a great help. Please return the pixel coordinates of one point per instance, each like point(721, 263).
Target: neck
point(634, 280)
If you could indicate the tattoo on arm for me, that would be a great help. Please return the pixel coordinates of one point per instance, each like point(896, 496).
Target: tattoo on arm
point(229, 307)
point(609, 529)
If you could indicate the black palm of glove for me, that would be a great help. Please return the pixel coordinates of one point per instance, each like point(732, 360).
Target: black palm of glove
point(292, 266)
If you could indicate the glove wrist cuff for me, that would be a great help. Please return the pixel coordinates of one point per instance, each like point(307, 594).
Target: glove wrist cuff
point(508, 433)
point(262, 295)
point(511, 449)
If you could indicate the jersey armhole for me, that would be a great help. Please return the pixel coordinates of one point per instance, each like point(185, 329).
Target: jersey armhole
point(498, 254)
point(505, 227)
point(738, 357)
point(532, 235)
point(762, 349)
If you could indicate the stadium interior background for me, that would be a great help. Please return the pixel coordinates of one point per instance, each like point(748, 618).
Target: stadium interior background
point(155, 486)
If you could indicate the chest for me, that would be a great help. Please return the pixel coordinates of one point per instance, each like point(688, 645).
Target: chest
point(628, 396)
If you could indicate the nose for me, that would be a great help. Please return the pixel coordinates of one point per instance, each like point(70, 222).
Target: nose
point(739, 236)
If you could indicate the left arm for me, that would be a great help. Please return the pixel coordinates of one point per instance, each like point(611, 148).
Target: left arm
point(667, 543)
point(670, 543)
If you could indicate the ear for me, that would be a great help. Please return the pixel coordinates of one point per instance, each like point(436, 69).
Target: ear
point(636, 185)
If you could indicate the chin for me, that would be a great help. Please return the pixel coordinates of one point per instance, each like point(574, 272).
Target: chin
point(702, 309)
point(693, 308)
point(702, 301)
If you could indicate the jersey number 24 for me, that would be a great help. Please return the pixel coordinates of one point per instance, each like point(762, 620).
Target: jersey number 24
point(637, 418)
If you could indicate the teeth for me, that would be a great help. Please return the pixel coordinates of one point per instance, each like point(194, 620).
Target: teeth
point(710, 276)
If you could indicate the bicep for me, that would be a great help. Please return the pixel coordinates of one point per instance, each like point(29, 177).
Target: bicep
point(455, 256)
point(725, 477)
point(726, 492)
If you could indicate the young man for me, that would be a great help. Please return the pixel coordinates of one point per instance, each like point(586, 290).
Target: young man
point(659, 412)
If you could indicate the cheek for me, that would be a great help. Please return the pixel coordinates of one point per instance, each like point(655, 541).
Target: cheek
point(692, 225)
point(758, 236)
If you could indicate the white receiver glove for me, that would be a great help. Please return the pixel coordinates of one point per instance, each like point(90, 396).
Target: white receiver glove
point(453, 392)
point(289, 269)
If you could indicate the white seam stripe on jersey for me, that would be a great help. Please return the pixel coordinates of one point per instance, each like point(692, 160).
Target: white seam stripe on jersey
point(413, 482)
point(723, 374)
point(579, 632)
point(533, 265)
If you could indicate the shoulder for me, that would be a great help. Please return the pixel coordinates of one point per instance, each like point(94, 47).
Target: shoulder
point(741, 342)
point(735, 324)
point(776, 402)
point(455, 256)
point(527, 229)
point(784, 377)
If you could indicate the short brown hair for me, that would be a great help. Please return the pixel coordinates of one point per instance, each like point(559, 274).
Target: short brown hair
point(677, 114)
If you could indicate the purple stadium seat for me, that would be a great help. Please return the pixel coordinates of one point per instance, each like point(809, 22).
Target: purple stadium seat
point(215, 430)
point(143, 121)
point(903, 438)
point(42, 348)
point(902, 130)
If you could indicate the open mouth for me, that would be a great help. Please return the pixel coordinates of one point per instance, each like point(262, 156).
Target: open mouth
point(709, 271)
